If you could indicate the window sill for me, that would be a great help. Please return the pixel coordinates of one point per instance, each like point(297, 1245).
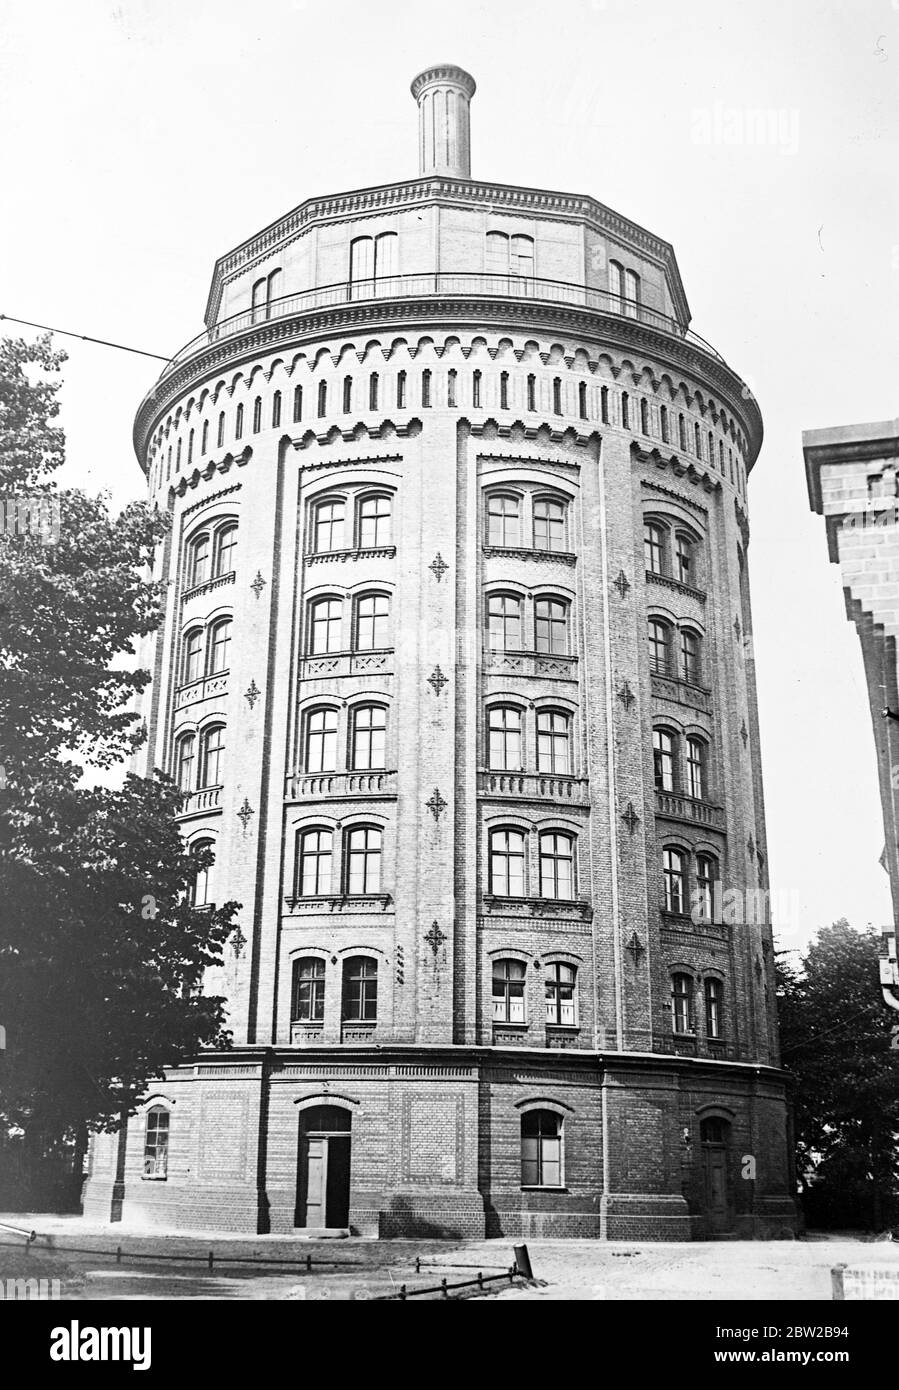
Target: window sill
point(543, 1188)
point(340, 902)
point(516, 1027)
point(208, 584)
point(669, 582)
point(531, 552)
point(368, 552)
point(154, 1177)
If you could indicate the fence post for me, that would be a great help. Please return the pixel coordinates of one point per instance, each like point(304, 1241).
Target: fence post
point(480, 1281)
point(211, 1258)
point(308, 1264)
point(443, 1287)
point(418, 1264)
point(402, 1291)
point(118, 1255)
point(523, 1261)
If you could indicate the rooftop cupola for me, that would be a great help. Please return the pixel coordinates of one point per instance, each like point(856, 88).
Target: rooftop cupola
point(443, 94)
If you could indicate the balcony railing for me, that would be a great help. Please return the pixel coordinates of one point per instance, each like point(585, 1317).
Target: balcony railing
point(689, 808)
point(208, 799)
point(440, 285)
point(535, 786)
point(202, 689)
point(337, 785)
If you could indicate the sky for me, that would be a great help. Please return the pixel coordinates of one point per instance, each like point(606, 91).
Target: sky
point(144, 138)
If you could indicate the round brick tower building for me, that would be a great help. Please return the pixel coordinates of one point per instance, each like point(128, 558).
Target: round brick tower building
point(455, 676)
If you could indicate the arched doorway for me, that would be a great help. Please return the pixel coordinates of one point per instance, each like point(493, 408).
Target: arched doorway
point(323, 1168)
point(714, 1135)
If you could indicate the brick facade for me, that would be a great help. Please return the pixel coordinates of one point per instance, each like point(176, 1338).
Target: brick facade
point(445, 392)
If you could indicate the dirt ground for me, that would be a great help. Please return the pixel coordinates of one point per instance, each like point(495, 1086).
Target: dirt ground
point(358, 1269)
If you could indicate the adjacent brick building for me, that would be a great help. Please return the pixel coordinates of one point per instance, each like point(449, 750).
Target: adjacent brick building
point(853, 482)
point(456, 677)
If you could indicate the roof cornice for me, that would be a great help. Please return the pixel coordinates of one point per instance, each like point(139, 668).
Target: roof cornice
point(466, 192)
point(845, 444)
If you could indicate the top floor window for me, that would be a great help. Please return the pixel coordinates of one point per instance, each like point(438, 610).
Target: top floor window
point(374, 522)
point(631, 293)
point(549, 524)
point(265, 291)
point(328, 526)
point(372, 260)
point(654, 547)
point(683, 557)
point(509, 255)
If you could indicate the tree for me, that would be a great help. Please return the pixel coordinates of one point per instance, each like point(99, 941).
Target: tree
point(102, 957)
point(836, 1040)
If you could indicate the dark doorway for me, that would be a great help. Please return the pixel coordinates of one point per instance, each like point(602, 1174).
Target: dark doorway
point(714, 1134)
point(323, 1168)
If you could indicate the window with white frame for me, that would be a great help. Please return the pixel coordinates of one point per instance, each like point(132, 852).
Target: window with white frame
point(372, 626)
point(212, 755)
point(156, 1142)
point(556, 865)
point(714, 1008)
point(682, 1019)
point(560, 982)
point(325, 626)
point(321, 740)
point(504, 629)
point(507, 863)
point(369, 738)
point(554, 742)
point(362, 867)
point(663, 760)
point(696, 760)
point(360, 990)
point(551, 625)
point(674, 877)
point(308, 990)
point(509, 978)
point(315, 855)
point(201, 885)
point(329, 518)
point(503, 520)
point(504, 738)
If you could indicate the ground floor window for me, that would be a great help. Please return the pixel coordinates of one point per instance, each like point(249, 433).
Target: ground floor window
point(541, 1149)
point(156, 1143)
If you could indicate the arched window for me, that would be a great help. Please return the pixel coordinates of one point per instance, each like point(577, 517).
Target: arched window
point(308, 992)
point(696, 761)
point(451, 379)
point(682, 432)
point(219, 646)
point(198, 553)
point(322, 399)
point(711, 441)
point(221, 429)
point(375, 515)
point(225, 546)
point(550, 516)
point(156, 1143)
point(713, 1130)
point(644, 416)
point(663, 421)
point(604, 404)
point(321, 740)
point(201, 885)
point(556, 865)
point(372, 622)
point(551, 625)
point(706, 878)
point(238, 423)
point(204, 437)
point(265, 291)
point(369, 739)
point(325, 626)
point(347, 394)
point(683, 557)
point(297, 404)
point(674, 874)
point(363, 860)
point(504, 390)
point(654, 547)
point(504, 738)
point(426, 388)
point(401, 390)
point(168, 464)
point(192, 656)
point(315, 855)
point(476, 378)
point(504, 623)
point(631, 294)
point(663, 760)
point(521, 255)
point(554, 742)
point(690, 655)
point(257, 415)
point(532, 392)
point(559, 982)
point(697, 440)
point(373, 391)
point(276, 410)
point(497, 254)
point(625, 411)
point(509, 978)
point(582, 399)
point(185, 753)
point(541, 1149)
point(721, 455)
point(503, 520)
point(212, 755)
point(714, 1008)
point(616, 286)
point(360, 990)
point(659, 647)
point(190, 447)
point(328, 525)
point(682, 1003)
point(506, 869)
point(557, 395)
point(178, 460)
point(372, 259)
